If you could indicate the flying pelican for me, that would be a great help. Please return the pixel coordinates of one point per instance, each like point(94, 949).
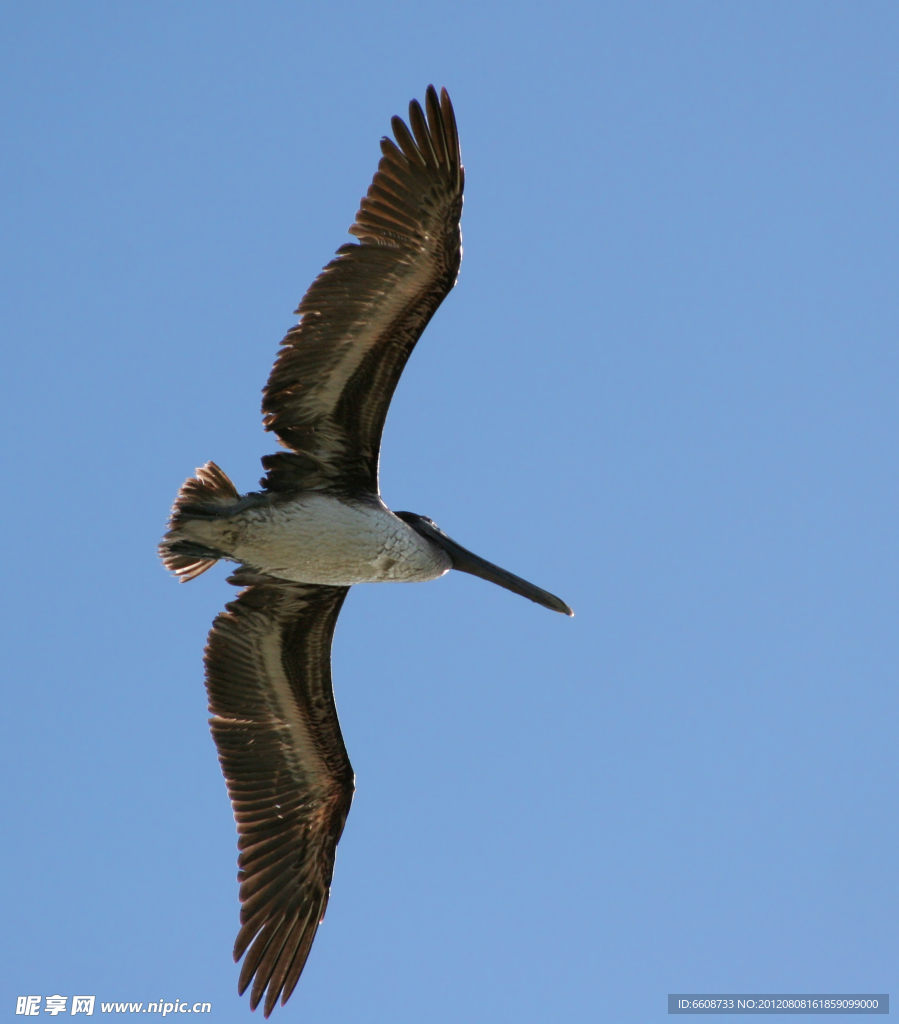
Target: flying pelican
point(317, 527)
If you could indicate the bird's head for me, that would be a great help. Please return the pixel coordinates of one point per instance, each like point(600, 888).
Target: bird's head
point(465, 561)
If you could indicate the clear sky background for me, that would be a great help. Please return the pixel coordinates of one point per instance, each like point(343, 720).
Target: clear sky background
point(665, 388)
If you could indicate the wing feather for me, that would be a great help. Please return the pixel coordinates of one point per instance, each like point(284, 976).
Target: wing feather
point(268, 676)
point(329, 390)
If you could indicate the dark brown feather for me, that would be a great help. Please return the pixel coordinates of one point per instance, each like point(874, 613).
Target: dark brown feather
point(268, 676)
point(329, 390)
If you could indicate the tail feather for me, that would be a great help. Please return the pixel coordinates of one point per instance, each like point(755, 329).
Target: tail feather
point(185, 567)
point(201, 497)
point(209, 487)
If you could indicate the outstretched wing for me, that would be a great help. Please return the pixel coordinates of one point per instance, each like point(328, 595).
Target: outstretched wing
point(268, 676)
point(330, 387)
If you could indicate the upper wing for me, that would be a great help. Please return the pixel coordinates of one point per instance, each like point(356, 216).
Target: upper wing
point(268, 675)
point(332, 382)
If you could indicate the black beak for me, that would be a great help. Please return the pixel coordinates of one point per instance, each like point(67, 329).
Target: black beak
point(465, 561)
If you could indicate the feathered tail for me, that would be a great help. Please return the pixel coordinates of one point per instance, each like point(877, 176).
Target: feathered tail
point(201, 497)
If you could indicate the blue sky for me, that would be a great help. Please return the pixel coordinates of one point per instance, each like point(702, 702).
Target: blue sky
point(664, 388)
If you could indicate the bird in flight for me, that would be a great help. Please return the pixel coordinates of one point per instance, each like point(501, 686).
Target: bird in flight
point(317, 526)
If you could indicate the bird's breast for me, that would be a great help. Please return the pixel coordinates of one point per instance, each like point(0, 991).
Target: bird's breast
point(322, 539)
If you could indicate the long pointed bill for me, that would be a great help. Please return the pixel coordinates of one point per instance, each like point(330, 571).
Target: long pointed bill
point(465, 561)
